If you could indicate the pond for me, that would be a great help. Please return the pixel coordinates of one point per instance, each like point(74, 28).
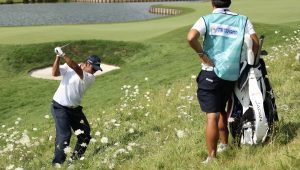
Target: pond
point(73, 13)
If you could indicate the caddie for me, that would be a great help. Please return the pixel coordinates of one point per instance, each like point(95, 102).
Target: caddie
point(223, 33)
point(66, 109)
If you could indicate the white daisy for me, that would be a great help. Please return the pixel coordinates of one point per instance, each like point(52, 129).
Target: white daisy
point(83, 144)
point(104, 140)
point(25, 140)
point(168, 92)
point(19, 168)
point(68, 150)
point(131, 130)
point(97, 133)
point(129, 148)
point(78, 132)
point(9, 167)
point(180, 133)
point(93, 140)
point(111, 166)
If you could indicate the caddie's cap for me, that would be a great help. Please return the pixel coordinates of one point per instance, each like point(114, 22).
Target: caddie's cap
point(95, 61)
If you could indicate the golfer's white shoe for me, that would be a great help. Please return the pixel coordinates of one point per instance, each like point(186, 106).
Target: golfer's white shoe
point(222, 147)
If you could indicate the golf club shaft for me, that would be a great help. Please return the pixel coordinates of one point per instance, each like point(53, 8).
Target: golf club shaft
point(65, 45)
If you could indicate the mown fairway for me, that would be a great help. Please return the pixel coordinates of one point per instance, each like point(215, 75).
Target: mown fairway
point(148, 109)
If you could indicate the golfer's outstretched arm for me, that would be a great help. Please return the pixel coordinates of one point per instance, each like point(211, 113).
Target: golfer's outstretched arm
point(55, 67)
point(72, 64)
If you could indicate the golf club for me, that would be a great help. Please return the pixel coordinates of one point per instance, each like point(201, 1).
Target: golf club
point(65, 45)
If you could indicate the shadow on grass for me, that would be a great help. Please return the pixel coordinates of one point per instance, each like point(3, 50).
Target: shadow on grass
point(285, 132)
point(281, 133)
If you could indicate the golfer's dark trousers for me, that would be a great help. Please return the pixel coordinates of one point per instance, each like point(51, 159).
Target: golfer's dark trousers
point(65, 119)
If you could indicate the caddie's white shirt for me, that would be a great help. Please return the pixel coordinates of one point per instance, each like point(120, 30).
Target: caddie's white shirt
point(72, 88)
point(201, 27)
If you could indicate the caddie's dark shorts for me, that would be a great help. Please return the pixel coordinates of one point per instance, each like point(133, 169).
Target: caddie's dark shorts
point(213, 92)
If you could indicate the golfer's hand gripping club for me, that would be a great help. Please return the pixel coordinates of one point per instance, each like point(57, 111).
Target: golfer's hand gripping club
point(58, 51)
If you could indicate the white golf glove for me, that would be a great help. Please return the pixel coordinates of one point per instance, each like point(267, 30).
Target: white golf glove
point(58, 51)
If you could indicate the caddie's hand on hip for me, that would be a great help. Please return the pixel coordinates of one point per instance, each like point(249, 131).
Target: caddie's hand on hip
point(206, 60)
point(58, 51)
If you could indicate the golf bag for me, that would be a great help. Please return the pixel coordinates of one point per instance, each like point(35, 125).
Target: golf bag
point(252, 108)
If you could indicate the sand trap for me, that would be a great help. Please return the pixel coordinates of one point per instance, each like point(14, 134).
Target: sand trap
point(45, 73)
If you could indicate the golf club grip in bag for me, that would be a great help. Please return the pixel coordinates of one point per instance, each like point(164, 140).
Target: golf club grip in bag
point(261, 42)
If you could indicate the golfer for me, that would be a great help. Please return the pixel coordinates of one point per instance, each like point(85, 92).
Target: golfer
point(223, 33)
point(66, 109)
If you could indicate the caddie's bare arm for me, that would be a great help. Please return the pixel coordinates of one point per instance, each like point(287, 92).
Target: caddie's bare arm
point(72, 64)
point(55, 67)
point(192, 39)
point(255, 43)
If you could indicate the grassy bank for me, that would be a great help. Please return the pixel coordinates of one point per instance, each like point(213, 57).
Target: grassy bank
point(147, 110)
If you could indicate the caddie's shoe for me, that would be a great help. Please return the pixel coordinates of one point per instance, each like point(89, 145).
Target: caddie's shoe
point(222, 147)
point(56, 165)
point(208, 160)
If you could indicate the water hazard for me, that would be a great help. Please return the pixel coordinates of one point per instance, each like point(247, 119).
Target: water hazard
point(73, 13)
